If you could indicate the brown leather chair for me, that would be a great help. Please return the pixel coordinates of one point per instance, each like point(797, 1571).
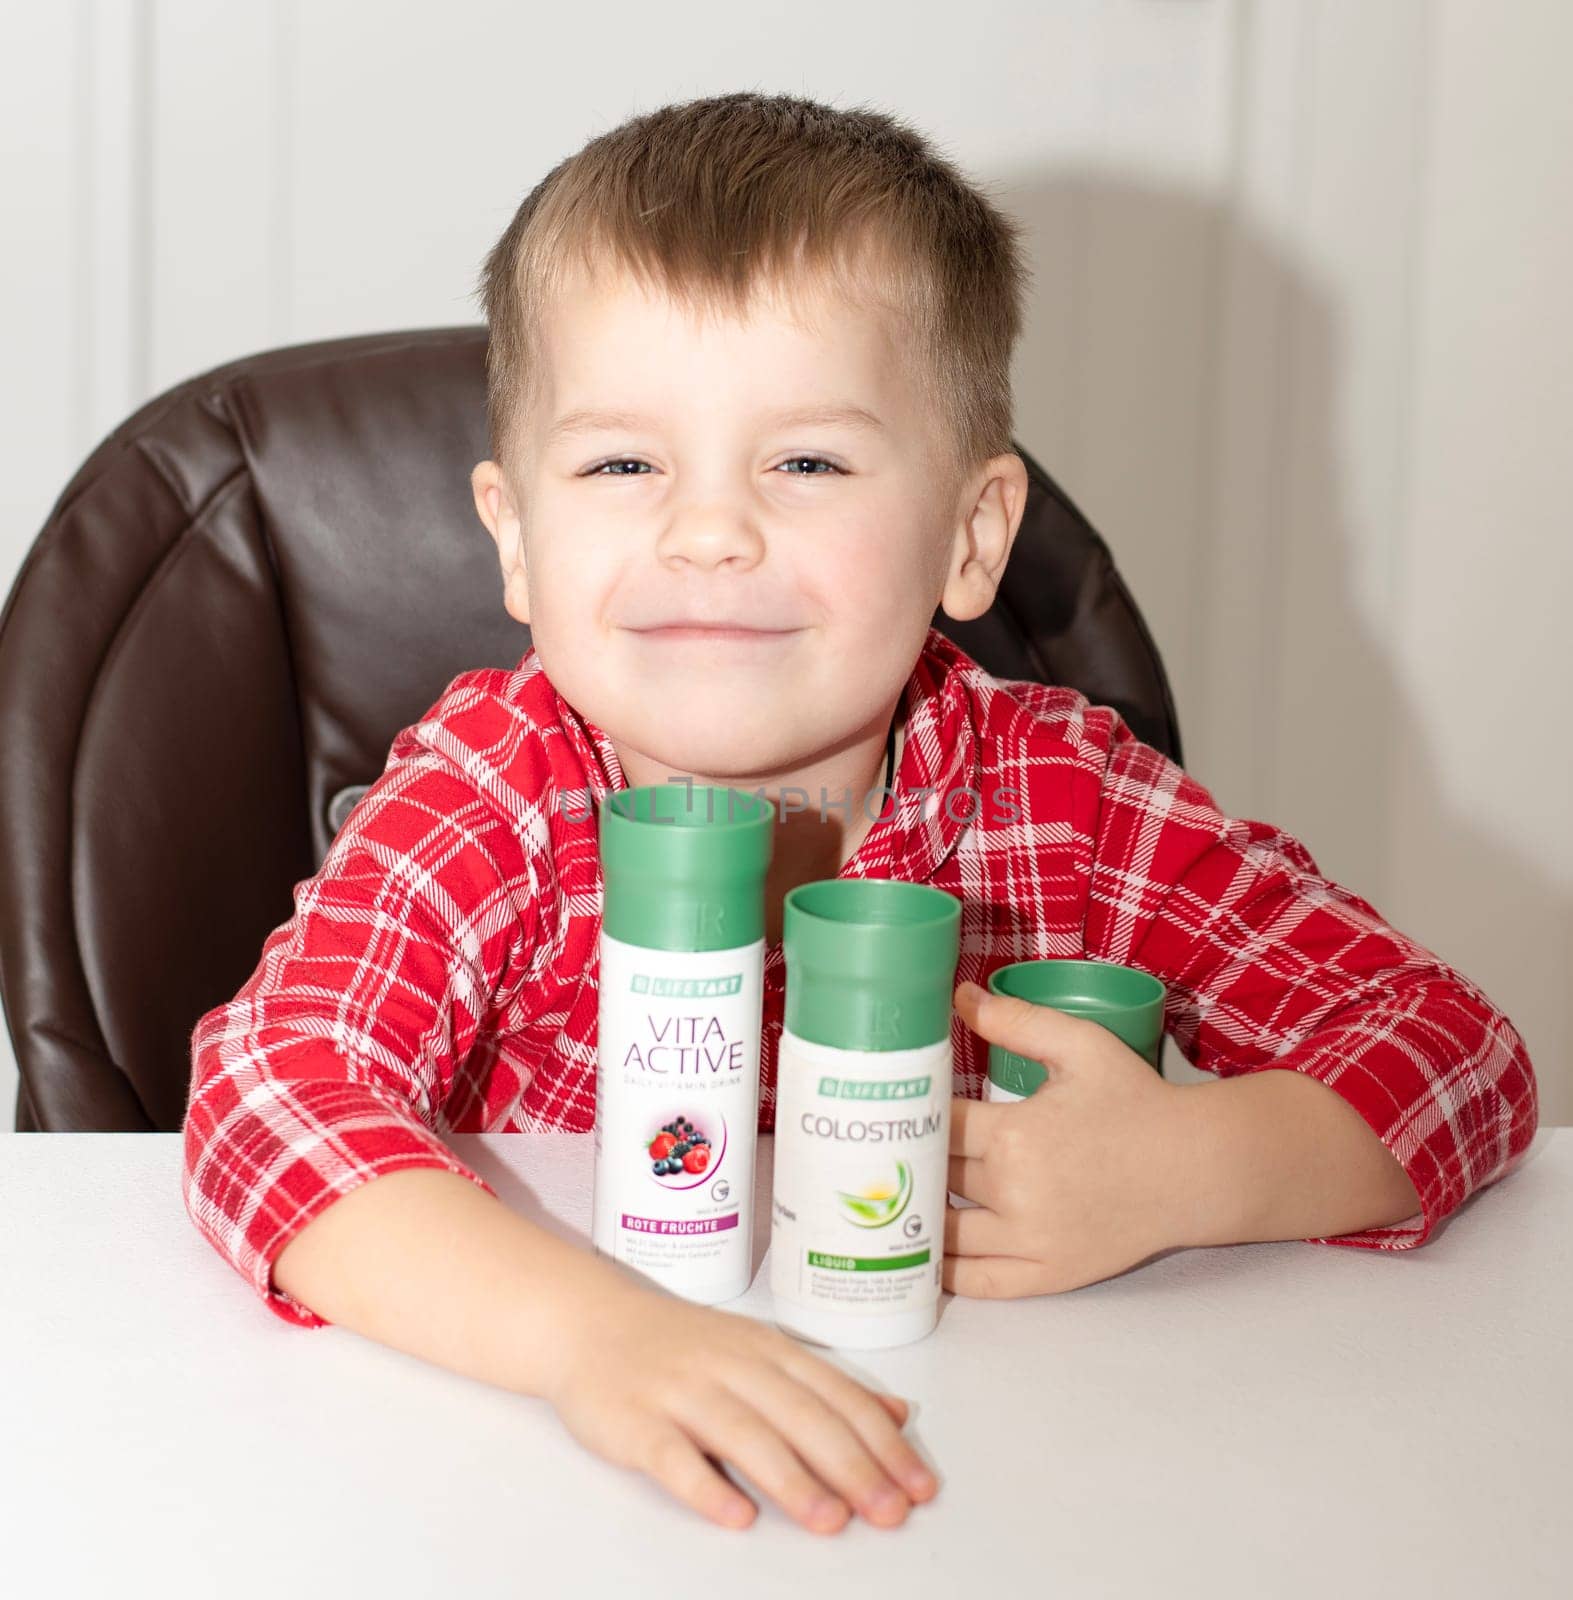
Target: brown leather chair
point(244, 593)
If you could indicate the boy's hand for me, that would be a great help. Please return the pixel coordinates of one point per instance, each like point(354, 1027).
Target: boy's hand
point(673, 1389)
point(1072, 1184)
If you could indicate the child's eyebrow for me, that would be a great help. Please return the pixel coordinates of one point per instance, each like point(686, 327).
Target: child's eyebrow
point(843, 413)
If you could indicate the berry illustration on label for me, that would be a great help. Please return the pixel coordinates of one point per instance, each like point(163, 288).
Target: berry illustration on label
point(881, 1202)
point(681, 1154)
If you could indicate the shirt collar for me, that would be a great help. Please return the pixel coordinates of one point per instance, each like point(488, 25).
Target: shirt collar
point(939, 756)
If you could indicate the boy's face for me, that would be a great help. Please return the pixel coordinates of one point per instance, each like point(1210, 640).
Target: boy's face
point(728, 585)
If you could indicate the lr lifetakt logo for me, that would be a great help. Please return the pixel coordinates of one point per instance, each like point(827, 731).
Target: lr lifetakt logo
point(686, 988)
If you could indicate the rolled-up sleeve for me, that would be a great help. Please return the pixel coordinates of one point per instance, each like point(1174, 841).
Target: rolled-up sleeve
point(1270, 964)
point(332, 1063)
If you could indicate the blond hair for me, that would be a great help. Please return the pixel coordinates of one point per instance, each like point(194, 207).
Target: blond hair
point(711, 200)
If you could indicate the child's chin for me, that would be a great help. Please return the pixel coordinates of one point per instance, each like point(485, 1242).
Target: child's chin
point(714, 758)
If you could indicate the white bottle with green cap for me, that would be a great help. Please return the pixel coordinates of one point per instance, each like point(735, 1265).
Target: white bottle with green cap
point(677, 1079)
point(863, 1087)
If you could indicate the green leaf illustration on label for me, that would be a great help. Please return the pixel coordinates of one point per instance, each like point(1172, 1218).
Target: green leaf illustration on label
point(881, 1202)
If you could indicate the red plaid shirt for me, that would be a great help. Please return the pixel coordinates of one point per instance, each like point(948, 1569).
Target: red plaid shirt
point(438, 972)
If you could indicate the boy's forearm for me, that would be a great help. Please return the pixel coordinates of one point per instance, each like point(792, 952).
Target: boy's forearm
point(1278, 1155)
point(429, 1263)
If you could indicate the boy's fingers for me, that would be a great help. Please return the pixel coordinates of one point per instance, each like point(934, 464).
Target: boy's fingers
point(1040, 1033)
point(972, 1126)
point(976, 1231)
point(896, 1406)
point(846, 1396)
point(841, 1441)
point(677, 1463)
point(733, 1430)
point(965, 1176)
point(993, 1277)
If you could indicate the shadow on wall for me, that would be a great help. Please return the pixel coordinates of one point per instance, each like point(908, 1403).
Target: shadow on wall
point(1181, 376)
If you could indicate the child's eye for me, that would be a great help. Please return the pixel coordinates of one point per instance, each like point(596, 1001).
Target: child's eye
point(600, 468)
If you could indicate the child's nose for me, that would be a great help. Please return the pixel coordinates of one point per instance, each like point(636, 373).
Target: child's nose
point(710, 539)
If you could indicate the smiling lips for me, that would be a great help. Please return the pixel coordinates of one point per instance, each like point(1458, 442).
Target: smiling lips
point(720, 632)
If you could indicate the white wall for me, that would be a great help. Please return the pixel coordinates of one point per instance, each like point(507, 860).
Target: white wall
point(1299, 343)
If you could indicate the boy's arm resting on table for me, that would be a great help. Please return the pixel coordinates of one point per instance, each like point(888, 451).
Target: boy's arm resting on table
point(312, 1160)
point(1273, 1155)
point(1277, 978)
point(440, 1268)
point(329, 1066)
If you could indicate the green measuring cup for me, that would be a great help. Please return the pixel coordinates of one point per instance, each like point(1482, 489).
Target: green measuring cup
point(1127, 1002)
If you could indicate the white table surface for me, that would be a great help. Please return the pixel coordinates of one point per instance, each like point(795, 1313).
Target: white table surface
point(1267, 1420)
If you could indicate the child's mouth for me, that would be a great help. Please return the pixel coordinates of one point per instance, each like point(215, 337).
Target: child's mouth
point(673, 633)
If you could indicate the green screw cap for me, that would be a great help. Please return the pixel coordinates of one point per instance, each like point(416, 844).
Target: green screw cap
point(684, 866)
point(870, 962)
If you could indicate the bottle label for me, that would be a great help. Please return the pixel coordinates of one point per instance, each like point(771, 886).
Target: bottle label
point(677, 1111)
point(862, 1152)
point(995, 1090)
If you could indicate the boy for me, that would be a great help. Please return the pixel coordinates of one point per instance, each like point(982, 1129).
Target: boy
point(749, 400)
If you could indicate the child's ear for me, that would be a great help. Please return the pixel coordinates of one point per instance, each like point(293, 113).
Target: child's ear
point(494, 504)
point(991, 512)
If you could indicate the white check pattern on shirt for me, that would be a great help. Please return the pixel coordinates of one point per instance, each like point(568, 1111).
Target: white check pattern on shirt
point(438, 972)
